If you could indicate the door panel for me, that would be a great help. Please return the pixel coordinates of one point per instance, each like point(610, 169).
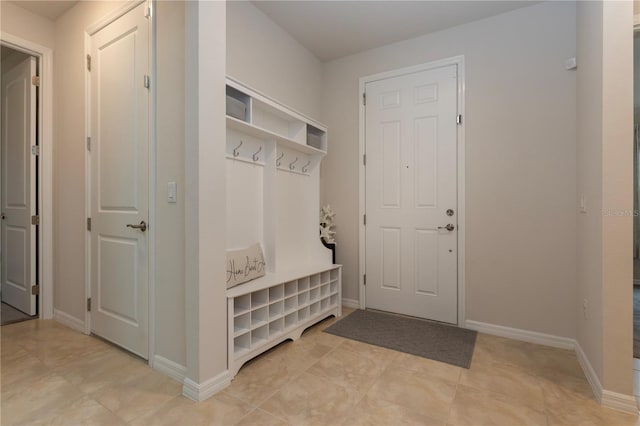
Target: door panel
point(119, 182)
point(411, 181)
point(18, 195)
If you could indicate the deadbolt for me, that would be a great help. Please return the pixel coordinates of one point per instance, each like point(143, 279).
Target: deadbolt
point(142, 226)
point(450, 212)
point(449, 227)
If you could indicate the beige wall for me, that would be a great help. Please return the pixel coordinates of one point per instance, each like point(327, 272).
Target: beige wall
point(170, 269)
point(589, 181)
point(520, 161)
point(262, 55)
point(605, 178)
point(69, 155)
point(617, 195)
point(21, 23)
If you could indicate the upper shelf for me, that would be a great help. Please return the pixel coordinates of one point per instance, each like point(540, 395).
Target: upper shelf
point(252, 113)
point(250, 129)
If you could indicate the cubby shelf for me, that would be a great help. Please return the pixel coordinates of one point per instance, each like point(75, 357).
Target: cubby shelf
point(293, 305)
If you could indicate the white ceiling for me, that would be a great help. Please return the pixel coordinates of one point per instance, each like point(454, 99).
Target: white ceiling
point(50, 9)
point(333, 29)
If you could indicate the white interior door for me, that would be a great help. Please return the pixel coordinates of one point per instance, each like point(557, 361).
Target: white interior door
point(411, 183)
point(119, 182)
point(18, 196)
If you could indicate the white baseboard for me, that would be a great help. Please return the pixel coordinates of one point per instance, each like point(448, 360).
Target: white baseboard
point(351, 303)
point(201, 391)
point(589, 372)
point(66, 319)
point(523, 335)
point(620, 402)
point(169, 368)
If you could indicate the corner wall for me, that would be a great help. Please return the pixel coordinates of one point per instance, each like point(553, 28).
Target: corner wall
point(26, 25)
point(520, 161)
point(605, 178)
point(265, 57)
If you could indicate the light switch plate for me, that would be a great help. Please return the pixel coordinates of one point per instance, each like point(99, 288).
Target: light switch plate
point(172, 192)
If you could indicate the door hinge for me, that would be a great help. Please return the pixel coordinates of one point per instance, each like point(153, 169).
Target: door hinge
point(364, 159)
point(459, 119)
point(35, 289)
point(35, 220)
point(35, 80)
point(35, 149)
point(88, 304)
point(89, 143)
point(88, 224)
point(88, 62)
point(147, 12)
point(364, 99)
point(364, 279)
point(364, 220)
point(147, 81)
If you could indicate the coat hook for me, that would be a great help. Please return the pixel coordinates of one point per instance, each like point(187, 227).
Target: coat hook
point(235, 150)
point(291, 165)
point(255, 156)
point(306, 167)
point(278, 160)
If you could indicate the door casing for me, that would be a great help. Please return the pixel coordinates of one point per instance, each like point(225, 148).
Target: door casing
point(456, 60)
point(45, 168)
point(89, 31)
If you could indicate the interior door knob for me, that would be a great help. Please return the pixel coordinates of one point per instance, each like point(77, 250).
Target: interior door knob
point(449, 227)
point(142, 226)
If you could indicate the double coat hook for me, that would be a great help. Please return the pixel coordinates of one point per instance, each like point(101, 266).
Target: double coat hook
point(278, 160)
point(291, 165)
point(235, 150)
point(255, 156)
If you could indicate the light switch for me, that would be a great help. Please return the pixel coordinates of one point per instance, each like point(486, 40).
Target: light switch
point(172, 192)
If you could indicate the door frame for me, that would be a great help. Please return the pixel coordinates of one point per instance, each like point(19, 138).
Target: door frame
point(89, 31)
point(456, 60)
point(45, 167)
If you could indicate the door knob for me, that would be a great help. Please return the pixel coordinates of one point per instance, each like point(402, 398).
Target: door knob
point(2, 216)
point(449, 227)
point(142, 226)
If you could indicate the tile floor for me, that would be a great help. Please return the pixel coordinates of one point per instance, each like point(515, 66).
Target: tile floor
point(53, 375)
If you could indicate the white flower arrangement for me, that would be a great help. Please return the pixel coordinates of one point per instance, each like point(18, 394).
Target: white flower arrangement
point(326, 224)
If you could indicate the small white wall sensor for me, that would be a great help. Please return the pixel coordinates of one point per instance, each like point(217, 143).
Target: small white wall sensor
point(571, 64)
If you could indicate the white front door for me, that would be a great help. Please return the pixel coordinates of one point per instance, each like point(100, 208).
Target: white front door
point(18, 195)
point(411, 184)
point(120, 182)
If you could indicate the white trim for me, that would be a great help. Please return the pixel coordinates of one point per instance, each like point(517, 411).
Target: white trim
point(66, 319)
point(522, 335)
point(45, 181)
point(459, 62)
point(589, 372)
point(153, 151)
point(201, 391)
point(169, 368)
point(620, 402)
point(606, 398)
point(350, 303)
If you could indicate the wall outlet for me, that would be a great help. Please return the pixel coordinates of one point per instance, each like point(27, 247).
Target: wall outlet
point(585, 307)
